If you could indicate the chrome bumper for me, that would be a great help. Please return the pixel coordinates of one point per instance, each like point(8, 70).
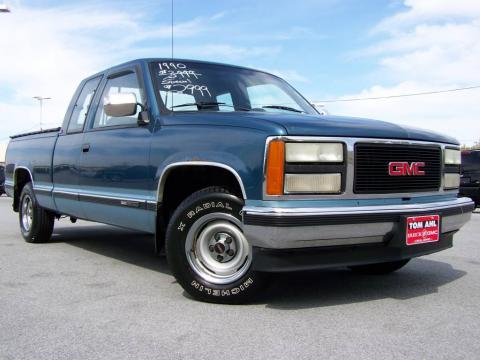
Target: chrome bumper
point(290, 228)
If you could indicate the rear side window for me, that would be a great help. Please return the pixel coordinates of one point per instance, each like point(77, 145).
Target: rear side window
point(80, 111)
point(122, 84)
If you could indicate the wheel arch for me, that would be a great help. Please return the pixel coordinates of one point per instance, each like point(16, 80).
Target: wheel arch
point(169, 168)
point(174, 186)
point(21, 176)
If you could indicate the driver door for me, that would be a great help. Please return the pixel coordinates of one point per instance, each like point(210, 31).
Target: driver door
point(115, 176)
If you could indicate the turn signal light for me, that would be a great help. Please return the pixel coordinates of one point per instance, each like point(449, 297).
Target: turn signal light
point(275, 167)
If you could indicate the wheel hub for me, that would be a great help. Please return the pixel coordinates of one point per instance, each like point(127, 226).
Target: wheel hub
point(216, 248)
point(219, 248)
point(27, 213)
point(223, 247)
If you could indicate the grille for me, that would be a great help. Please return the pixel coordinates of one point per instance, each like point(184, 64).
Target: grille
point(371, 168)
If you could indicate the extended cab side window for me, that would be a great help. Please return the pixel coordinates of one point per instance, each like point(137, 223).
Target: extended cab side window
point(80, 111)
point(122, 84)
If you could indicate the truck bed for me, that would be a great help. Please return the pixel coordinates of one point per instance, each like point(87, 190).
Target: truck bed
point(57, 129)
point(33, 152)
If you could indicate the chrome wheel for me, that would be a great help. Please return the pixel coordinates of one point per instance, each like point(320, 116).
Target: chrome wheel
point(217, 249)
point(27, 213)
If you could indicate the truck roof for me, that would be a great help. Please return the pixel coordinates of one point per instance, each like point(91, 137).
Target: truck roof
point(166, 59)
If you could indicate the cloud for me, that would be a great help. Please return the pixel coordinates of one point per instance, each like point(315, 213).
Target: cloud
point(420, 11)
point(227, 52)
point(187, 29)
point(456, 113)
point(433, 45)
point(292, 33)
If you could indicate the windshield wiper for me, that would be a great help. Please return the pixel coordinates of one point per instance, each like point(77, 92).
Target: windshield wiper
point(281, 107)
point(207, 104)
point(200, 104)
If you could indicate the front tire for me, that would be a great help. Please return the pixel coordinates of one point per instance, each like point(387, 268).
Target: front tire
point(207, 250)
point(380, 268)
point(36, 223)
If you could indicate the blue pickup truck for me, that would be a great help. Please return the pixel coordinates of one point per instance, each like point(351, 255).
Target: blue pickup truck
point(238, 176)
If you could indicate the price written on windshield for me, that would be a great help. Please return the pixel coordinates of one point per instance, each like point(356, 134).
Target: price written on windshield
point(177, 78)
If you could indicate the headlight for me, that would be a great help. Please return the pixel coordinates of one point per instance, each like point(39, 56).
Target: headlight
point(314, 152)
point(452, 157)
point(304, 168)
point(451, 181)
point(313, 183)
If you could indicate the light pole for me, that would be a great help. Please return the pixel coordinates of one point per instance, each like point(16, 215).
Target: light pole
point(40, 100)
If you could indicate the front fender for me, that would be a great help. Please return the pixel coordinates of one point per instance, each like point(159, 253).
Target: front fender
point(238, 150)
point(225, 161)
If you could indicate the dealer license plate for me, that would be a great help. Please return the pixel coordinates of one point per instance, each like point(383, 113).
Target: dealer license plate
point(423, 229)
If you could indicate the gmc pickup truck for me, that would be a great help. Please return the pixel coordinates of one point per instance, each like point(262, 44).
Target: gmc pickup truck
point(238, 176)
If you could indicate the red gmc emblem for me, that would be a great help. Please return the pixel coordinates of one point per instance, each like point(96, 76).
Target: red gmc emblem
point(403, 168)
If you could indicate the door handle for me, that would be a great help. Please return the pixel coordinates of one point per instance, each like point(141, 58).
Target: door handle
point(85, 148)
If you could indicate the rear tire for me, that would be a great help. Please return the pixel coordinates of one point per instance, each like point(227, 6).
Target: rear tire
point(36, 223)
point(380, 268)
point(207, 251)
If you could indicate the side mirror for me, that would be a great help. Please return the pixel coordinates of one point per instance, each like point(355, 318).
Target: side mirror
point(121, 104)
point(143, 118)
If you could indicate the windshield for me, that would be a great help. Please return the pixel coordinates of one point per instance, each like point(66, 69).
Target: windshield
point(191, 86)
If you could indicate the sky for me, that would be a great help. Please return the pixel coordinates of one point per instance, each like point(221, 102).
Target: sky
point(327, 49)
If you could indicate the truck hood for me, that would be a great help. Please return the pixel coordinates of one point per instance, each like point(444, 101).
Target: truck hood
point(310, 125)
point(313, 125)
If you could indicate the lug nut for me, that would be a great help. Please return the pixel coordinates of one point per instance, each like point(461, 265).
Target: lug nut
point(211, 248)
point(230, 252)
point(229, 240)
point(219, 257)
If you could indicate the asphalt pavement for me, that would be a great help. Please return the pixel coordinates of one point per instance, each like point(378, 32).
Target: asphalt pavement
point(99, 292)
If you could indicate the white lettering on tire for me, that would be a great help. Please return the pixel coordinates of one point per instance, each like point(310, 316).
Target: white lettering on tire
point(222, 292)
point(205, 206)
point(181, 227)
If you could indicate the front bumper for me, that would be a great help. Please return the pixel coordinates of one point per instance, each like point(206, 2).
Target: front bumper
point(275, 231)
